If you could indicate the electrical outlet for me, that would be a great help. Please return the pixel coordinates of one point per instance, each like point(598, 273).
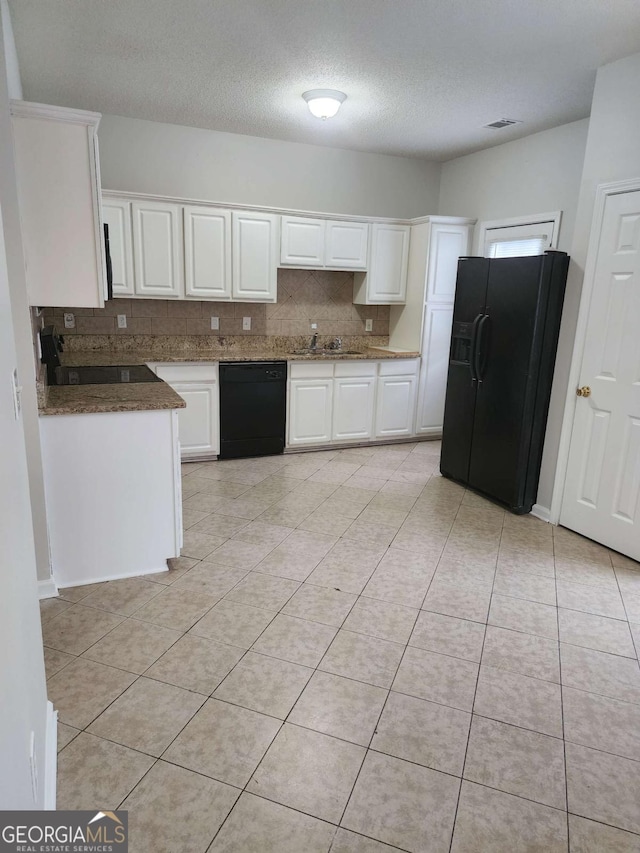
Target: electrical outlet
point(69, 321)
point(368, 325)
point(122, 321)
point(215, 323)
point(314, 326)
point(246, 324)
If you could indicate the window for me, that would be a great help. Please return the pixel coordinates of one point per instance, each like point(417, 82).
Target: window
point(531, 235)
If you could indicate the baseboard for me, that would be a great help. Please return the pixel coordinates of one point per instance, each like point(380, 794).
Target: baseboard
point(541, 512)
point(132, 574)
point(47, 589)
point(50, 759)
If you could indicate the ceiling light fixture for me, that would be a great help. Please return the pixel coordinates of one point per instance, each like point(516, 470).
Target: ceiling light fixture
point(324, 103)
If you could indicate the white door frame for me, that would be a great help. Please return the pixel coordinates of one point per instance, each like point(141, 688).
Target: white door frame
point(603, 191)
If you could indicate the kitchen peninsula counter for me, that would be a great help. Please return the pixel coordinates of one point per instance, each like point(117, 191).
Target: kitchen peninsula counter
point(123, 397)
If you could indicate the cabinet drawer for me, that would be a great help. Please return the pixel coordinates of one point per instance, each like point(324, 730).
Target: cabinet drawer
point(399, 367)
point(311, 370)
point(355, 368)
point(187, 372)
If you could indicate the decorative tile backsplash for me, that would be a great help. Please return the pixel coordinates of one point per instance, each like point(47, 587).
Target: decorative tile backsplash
point(304, 297)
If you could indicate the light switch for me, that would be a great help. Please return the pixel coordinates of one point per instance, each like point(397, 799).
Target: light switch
point(246, 324)
point(368, 325)
point(122, 321)
point(215, 323)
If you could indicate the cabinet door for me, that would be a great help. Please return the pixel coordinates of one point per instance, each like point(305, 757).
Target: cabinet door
point(395, 409)
point(447, 244)
point(353, 403)
point(386, 279)
point(207, 253)
point(116, 214)
point(255, 257)
point(346, 245)
point(199, 435)
point(302, 241)
point(433, 371)
point(157, 249)
point(310, 405)
point(57, 175)
point(199, 422)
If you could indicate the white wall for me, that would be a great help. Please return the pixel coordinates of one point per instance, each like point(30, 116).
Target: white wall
point(22, 680)
point(19, 302)
point(14, 84)
point(150, 157)
point(612, 154)
point(537, 174)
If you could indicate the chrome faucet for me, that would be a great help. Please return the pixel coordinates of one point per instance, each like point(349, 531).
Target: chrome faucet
point(313, 346)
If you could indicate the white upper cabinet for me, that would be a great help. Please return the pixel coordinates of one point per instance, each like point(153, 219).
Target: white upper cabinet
point(157, 249)
point(207, 253)
point(447, 243)
point(385, 282)
point(302, 242)
point(58, 179)
point(323, 243)
point(116, 214)
point(346, 245)
point(255, 256)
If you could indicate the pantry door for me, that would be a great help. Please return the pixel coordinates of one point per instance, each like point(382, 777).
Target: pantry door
point(602, 487)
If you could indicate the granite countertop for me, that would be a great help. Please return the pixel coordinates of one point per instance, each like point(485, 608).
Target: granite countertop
point(149, 396)
point(99, 357)
point(93, 399)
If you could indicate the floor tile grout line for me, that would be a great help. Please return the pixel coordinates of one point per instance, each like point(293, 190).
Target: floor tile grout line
point(564, 739)
point(475, 693)
point(129, 616)
point(635, 643)
point(375, 729)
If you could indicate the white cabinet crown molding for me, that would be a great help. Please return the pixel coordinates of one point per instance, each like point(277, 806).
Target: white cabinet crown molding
point(28, 109)
point(283, 211)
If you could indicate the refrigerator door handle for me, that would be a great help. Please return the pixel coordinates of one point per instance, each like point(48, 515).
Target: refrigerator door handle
point(477, 355)
point(474, 343)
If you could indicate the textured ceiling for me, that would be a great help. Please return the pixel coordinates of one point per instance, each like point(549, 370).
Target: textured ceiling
point(422, 76)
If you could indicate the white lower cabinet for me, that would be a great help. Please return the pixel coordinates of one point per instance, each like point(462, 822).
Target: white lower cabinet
point(199, 423)
point(332, 402)
point(310, 404)
point(354, 395)
point(396, 399)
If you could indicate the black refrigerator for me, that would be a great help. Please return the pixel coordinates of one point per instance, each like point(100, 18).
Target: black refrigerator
point(506, 320)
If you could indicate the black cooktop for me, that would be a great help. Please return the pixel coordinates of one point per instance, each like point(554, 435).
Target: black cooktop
point(105, 375)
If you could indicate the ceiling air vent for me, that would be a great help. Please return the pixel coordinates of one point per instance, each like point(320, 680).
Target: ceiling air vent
point(502, 122)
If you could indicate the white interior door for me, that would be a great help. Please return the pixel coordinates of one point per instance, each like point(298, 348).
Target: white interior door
point(602, 488)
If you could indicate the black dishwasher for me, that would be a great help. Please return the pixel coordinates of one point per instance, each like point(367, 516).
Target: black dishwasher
point(253, 403)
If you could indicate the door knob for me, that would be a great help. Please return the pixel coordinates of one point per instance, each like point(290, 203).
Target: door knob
point(585, 391)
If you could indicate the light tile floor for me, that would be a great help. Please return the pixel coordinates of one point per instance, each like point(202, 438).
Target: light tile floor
point(356, 655)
